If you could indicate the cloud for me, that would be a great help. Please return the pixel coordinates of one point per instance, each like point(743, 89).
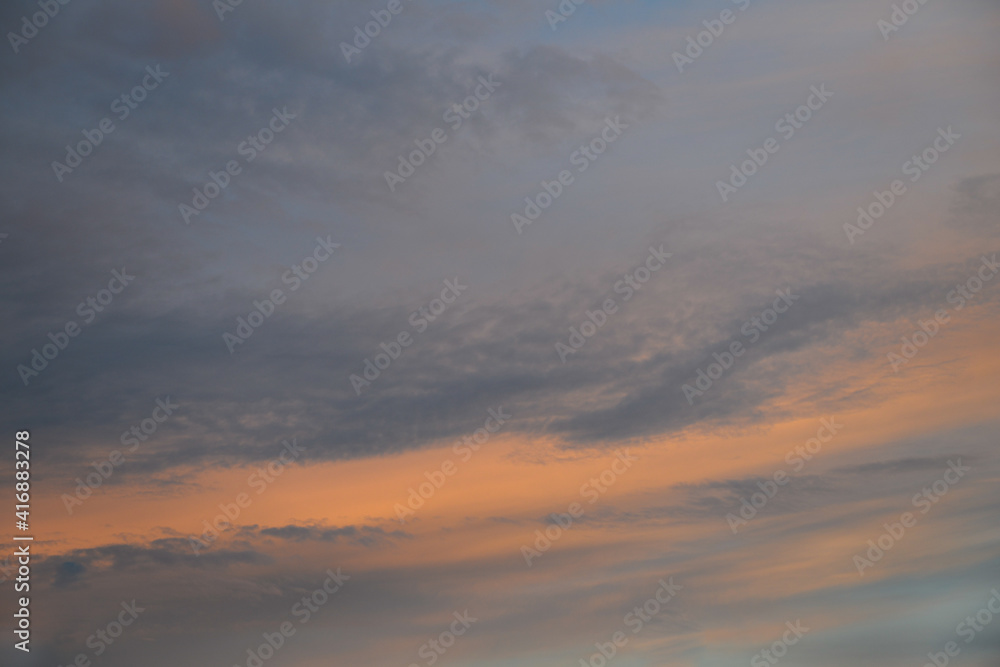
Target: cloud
point(492, 352)
point(80, 565)
point(368, 536)
point(975, 206)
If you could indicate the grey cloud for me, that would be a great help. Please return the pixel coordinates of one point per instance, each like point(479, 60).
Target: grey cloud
point(976, 205)
point(367, 536)
point(485, 354)
point(77, 566)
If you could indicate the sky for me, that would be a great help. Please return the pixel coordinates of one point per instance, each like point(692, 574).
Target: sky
point(508, 334)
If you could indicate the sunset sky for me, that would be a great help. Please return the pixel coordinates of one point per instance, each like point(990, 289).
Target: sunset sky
point(515, 329)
